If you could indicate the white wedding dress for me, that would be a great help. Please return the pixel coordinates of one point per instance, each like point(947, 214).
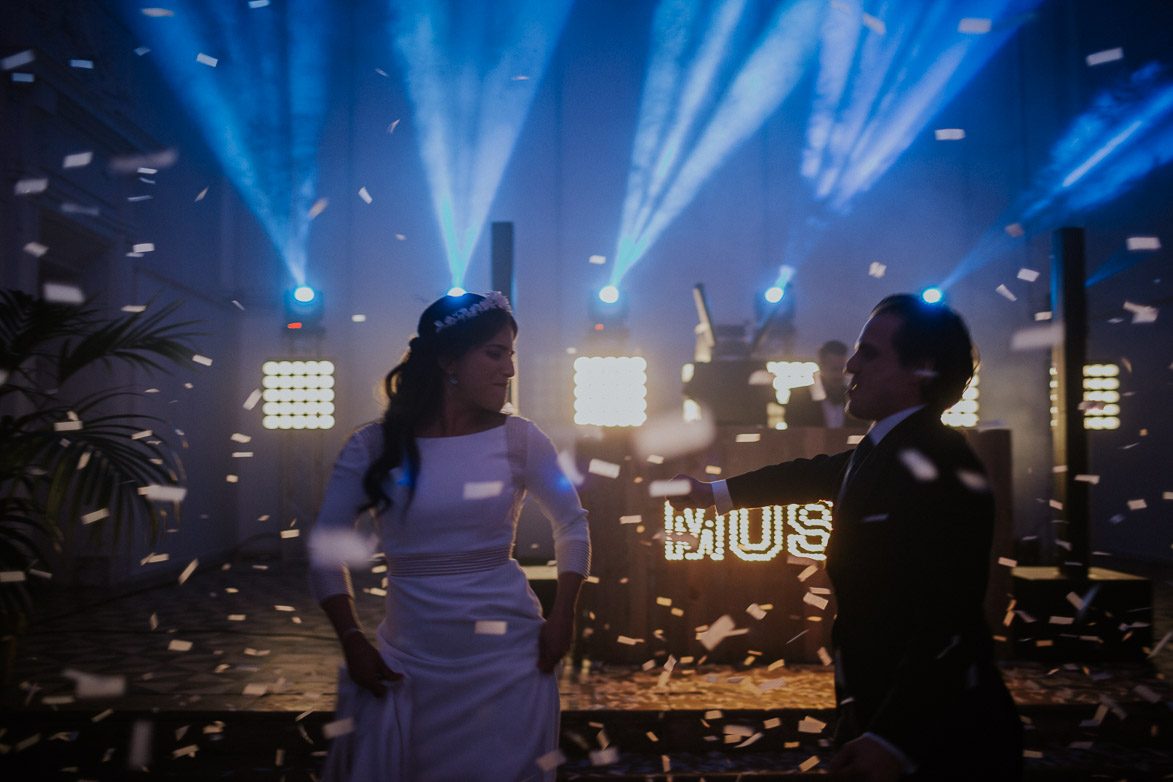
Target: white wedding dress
point(461, 622)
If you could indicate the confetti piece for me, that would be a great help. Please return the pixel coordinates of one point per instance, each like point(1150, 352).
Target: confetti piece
point(663, 601)
point(655, 458)
point(24, 77)
point(974, 481)
point(187, 571)
point(551, 760)
point(236, 617)
point(761, 377)
point(875, 25)
point(158, 12)
point(237, 437)
point(669, 488)
point(877, 270)
point(364, 195)
point(1137, 505)
point(1037, 337)
point(1007, 562)
point(1107, 55)
point(318, 207)
point(62, 294)
point(197, 358)
point(823, 654)
point(717, 632)
point(1161, 645)
point(84, 64)
point(67, 426)
point(811, 725)
point(177, 645)
point(332, 730)
point(252, 400)
point(628, 640)
point(748, 438)
point(480, 490)
point(132, 308)
point(605, 469)
point(207, 60)
point(329, 547)
point(391, 129)
point(598, 259)
point(145, 433)
point(290, 533)
point(1061, 620)
point(973, 26)
point(1004, 291)
point(160, 493)
point(17, 60)
point(358, 318)
point(140, 51)
point(12, 576)
point(1141, 313)
point(712, 470)
point(145, 247)
point(1092, 479)
point(242, 454)
point(201, 194)
point(255, 688)
point(130, 164)
point(490, 627)
point(1029, 275)
point(949, 134)
point(756, 611)
point(70, 209)
point(812, 599)
point(78, 159)
point(630, 519)
point(809, 763)
point(258, 4)
point(604, 757)
point(807, 572)
point(91, 685)
point(919, 465)
point(1143, 243)
point(97, 515)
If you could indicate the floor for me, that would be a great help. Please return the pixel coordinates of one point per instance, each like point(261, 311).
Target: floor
point(249, 639)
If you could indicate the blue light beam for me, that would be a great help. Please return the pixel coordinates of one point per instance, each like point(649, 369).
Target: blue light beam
point(699, 103)
point(472, 70)
point(1124, 135)
point(261, 109)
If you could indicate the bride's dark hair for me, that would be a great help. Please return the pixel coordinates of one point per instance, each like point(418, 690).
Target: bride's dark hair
point(415, 386)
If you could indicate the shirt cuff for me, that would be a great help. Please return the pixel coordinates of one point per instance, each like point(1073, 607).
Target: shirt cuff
point(721, 497)
point(906, 764)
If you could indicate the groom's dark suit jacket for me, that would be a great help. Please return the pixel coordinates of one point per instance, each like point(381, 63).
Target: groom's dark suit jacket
point(908, 559)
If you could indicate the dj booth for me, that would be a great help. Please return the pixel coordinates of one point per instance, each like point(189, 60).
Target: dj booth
point(661, 578)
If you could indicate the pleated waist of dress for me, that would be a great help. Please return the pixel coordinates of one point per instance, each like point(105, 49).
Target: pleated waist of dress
point(456, 563)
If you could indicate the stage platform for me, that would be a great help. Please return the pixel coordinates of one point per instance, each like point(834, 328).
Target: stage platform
point(1086, 721)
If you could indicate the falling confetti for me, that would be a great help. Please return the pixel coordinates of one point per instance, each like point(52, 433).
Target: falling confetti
point(253, 398)
point(973, 26)
point(17, 60)
point(1143, 243)
point(30, 186)
point(605, 469)
point(481, 490)
point(364, 195)
point(78, 159)
point(949, 134)
point(207, 60)
point(921, 467)
point(1107, 55)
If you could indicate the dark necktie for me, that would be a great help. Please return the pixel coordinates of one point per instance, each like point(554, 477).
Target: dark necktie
point(858, 457)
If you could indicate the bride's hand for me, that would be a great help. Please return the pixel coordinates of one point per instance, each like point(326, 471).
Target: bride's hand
point(366, 666)
point(554, 642)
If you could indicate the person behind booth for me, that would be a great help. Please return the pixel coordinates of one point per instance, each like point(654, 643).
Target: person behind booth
point(918, 694)
point(823, 402)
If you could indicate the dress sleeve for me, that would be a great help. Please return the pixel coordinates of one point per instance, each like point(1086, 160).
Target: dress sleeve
point(329, 574)
point(559, 501)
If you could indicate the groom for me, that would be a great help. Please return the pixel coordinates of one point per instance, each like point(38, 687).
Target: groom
point(918, 694)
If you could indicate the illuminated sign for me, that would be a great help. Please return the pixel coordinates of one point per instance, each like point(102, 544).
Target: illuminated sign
point(750, 534)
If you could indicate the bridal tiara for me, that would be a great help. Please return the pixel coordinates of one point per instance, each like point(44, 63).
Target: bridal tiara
point(494, 300)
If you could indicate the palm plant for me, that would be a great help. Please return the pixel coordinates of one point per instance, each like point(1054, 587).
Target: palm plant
point(68, 462)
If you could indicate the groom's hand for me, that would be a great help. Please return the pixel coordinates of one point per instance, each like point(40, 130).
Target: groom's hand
point(700, 494)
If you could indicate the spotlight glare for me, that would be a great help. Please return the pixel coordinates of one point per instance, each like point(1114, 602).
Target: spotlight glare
point(456, 290)
point(932, 295)
point(774, 294)
point(609, 294)
point(303, 293)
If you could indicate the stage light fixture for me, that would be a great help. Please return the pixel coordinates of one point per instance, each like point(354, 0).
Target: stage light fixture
point(610, 390)
point(456, 291)
point(609, 294)
point(303, 309)
point(774, 294)
point(1101, 396)
point(298, 394)
point(932, 295)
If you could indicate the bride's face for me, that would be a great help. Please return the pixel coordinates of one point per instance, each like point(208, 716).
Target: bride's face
point(482, 374)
